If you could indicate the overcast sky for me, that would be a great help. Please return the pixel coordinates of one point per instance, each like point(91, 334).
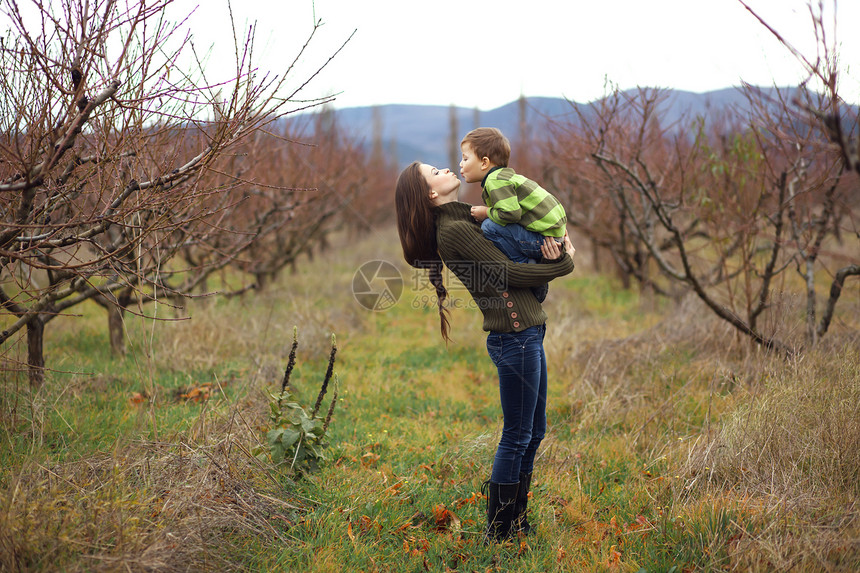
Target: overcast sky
point(486, 54)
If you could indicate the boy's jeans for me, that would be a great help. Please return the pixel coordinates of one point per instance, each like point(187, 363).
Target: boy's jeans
point(517, 242)
point(521, 362)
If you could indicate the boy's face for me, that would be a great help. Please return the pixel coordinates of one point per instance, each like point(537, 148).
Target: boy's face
point(473, 168)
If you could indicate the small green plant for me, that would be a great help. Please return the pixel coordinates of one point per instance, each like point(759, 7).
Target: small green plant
point(296, 439)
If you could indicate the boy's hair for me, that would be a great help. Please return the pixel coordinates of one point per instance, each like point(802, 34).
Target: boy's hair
point(489, 142)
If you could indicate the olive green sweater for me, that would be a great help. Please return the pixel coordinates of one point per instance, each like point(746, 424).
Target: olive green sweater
point(499, 287)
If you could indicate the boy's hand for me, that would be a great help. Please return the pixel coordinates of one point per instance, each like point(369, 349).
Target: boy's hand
point(479, 213)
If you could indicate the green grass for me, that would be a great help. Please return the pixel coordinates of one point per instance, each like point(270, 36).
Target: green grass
point(643, 396)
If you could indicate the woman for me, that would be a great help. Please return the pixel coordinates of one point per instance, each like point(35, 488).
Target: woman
point(434, 229)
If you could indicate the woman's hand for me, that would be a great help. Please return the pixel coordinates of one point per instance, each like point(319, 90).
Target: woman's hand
point(552, 251)
point(568, 246)
point(479, 213)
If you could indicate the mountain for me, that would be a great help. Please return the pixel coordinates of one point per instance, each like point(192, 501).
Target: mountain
point(422, 132)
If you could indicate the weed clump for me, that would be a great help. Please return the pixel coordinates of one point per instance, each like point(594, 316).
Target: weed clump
point(296, 439)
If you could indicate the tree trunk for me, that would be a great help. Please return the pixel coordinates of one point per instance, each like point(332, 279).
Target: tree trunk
point(811, 332)
point(835, 292)
point(35, 351)
point(115, 307)
point(116, 327)
point(261, 280)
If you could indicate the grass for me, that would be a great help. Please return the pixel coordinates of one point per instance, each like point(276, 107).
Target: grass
point(673, 445)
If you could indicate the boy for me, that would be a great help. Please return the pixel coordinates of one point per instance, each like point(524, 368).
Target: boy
point(519, 213)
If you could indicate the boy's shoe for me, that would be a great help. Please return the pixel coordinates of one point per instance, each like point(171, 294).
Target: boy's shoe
point(540, 292)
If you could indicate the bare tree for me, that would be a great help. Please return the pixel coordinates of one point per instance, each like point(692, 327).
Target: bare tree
point(371, 207)
point(328, 180)
point(839, 125)
point(107, 146)
point(718, 207)
point(454, 137)
point(524, 152)
point(571, 172)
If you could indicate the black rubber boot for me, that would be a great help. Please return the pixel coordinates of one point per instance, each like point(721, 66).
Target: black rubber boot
point(522, 522)
point(501, 510)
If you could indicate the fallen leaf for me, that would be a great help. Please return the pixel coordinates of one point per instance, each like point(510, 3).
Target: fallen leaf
point(640, 522)
point(394, 488)
point(474, 498)
point(364, 524)
point(445, 519)
point(406, 525)
point(524, 547)
point(418, 518)
point(198, 393)
point(614, 560)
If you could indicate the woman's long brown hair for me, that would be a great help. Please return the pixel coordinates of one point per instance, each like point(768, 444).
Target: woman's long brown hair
point(416, 225)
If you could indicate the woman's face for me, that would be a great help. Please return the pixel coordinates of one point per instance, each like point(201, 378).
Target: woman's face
point(443, 183)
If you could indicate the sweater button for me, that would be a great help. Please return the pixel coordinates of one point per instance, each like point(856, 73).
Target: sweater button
point(505, 294)
point(510, 304)
point(516, 324)
point(513, 315)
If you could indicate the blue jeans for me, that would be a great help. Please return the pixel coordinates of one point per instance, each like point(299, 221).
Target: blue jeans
point(521, 362)
point(518, 243)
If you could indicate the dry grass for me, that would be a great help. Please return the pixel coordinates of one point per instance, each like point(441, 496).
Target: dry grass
point(673, 441)
point(798, 439)
point(778, 438)
point(658, 383)
point(181, 505)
